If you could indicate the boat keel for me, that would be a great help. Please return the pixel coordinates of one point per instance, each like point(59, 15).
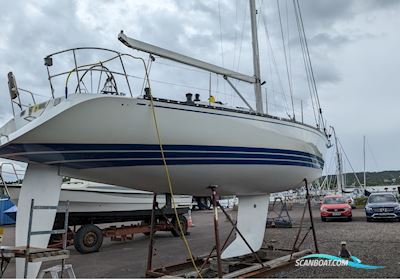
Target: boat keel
point(43, 184)
point(251, 222)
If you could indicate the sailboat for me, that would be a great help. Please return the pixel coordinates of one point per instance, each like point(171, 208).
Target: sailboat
point(89, 198)
point(341, 182)
point(115, 137)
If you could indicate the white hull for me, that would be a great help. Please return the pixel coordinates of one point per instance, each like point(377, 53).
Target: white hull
point(87, 197)
point(112, 139)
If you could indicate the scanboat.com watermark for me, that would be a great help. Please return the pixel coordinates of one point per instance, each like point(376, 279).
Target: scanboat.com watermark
point(330, 260)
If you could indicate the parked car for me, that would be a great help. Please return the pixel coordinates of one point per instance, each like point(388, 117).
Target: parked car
point(382, 206)
point(335, 207)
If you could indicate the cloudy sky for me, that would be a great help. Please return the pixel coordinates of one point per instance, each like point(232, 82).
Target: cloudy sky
point(354, 46)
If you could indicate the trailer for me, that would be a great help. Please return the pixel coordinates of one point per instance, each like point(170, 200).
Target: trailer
point(87, 236)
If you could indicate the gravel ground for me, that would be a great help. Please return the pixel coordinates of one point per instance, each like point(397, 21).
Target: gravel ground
point(374, 243)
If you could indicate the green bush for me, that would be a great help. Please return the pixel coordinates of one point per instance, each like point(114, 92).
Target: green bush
point(360, 201)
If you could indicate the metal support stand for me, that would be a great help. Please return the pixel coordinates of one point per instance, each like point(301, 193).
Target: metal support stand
point(168, 200)
point(213, 249)
point(311, 217)
point(283, 219)
point(160, 220)
point(311, 228)
point(151, 243)
point(4, 264)
point(216, 231)
point(217, 246)
point(65, 238)
point(251, 266)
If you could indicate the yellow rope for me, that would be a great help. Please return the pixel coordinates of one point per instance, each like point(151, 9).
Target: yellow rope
point(171, 188)
point(163, 159)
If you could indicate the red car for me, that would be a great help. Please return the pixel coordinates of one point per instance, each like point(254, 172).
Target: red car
point(335, 207)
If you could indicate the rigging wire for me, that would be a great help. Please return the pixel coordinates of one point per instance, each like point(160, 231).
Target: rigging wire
point(372, 154)
point(178, 85)
point(351, 166)
point(286, 59)
point(221, 40)
point(220, 32)
point(149, 64)
point(272, 84)
point(268, 41)
point(330, 176)
point(177, 65)
point(241, 36)
point(288, 39)
point(236, 32)
point(271, 81)
point(305, 59)
point(306, 65)
point(321, 118)
point(260, 10)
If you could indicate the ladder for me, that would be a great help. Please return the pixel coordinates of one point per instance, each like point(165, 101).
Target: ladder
point(55, 254)
point(2, 181)
point(55, 270)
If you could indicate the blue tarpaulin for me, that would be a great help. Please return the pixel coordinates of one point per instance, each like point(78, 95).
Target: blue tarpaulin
point(7, 212)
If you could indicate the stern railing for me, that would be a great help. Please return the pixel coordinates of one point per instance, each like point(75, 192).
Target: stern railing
point(107, 77)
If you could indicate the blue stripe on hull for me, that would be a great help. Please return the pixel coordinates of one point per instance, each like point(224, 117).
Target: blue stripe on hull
point(157, 155)
point(15, 148)
point(102, 155)
point(99, 164)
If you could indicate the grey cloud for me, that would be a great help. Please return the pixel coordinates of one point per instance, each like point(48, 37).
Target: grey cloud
point(324, 13)
point(326, 73)
point(328, 40)
point(32, 35)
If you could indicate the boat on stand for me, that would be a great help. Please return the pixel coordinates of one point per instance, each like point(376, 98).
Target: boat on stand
point(102, 203)
point(109, 133)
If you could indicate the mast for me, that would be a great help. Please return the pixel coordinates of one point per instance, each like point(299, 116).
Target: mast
point(365, 177)
point(256, 56)
point(339, 165)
